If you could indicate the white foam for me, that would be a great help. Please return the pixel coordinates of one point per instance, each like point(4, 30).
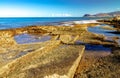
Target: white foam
point(71, 23)
point(85, 22)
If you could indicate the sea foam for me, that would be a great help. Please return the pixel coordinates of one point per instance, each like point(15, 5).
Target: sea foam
point(71, 23)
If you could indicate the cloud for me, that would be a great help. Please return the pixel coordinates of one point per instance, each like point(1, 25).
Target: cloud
point(61, 15)
point(18, 12)
point(24, 12)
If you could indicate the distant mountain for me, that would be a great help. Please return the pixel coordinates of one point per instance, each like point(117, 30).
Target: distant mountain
point(110, 14)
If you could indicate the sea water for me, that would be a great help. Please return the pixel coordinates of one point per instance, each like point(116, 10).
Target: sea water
point(6, 23)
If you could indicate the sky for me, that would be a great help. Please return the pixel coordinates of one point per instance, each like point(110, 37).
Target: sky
point(56, 8)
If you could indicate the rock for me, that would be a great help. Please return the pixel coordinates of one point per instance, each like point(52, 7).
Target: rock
point(6, 38)
point(52, 61)
point(2, 50)
point(66, 38)
point(116, 51)
point(108, 28)
point(81, 26)
point(114, 22)
point(116, 18)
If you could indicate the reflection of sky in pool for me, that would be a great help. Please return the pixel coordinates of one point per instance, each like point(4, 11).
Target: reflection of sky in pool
point(27, 38)
point(99, 30)
point(96, 48)
point(107, 33)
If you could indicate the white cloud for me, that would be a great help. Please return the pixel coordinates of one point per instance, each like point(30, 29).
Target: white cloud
point(24, 12)
point(9, 12)
point(61, 15)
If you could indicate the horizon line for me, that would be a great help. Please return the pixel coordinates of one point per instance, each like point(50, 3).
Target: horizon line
point(39, 17)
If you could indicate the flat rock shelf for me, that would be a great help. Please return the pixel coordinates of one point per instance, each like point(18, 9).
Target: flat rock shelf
point(54, 60)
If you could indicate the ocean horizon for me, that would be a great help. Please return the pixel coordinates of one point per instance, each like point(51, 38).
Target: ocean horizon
point(17, 22)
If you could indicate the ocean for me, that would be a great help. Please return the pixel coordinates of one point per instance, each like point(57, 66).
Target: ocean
point(6, 23)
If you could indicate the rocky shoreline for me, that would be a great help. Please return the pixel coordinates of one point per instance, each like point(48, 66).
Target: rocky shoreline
point(103, 64)
point(13, 54)
point(115, 22)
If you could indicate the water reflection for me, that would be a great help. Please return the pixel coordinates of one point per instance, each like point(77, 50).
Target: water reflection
point(28, 38)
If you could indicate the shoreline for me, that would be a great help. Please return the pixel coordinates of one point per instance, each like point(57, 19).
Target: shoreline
point(63, 36)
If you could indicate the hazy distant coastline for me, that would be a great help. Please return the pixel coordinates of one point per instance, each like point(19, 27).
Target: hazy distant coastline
point(110, 14)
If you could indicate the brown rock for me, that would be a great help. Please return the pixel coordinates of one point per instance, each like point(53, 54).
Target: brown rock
point(66, 38)
point(6, 38)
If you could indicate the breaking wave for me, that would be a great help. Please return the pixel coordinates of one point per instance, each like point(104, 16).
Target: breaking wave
point(70, 23)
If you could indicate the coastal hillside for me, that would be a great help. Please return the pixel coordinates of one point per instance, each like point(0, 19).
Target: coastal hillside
point(110, 14)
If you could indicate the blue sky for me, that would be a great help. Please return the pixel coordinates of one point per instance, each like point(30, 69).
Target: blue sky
point(56, 8)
